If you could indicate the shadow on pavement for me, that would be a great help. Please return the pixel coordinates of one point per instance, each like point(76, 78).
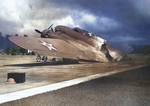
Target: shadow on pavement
point(40, 64)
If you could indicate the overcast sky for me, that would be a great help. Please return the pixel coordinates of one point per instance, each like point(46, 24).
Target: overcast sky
point(125, 21)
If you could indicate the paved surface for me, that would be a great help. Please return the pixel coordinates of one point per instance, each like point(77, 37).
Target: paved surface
point(130, 88)
point(43, 74)
point(40, 74)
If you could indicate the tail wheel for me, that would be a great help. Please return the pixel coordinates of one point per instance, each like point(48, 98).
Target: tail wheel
point(53, 59)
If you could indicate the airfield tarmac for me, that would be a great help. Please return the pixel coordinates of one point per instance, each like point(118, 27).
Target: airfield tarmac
point(41, 74)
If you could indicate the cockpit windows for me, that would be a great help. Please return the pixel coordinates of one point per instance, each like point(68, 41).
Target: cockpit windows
point(76, 30)
point(83, 32)
point(56, 29)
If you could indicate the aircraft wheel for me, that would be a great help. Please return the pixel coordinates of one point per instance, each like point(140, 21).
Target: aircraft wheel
point(53, 59)
point(44, 58)
point(38, 58)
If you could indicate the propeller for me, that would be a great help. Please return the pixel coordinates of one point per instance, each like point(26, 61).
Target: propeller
point(38, 31)
point(44, 32)
point(50, 26)
point(41, 32)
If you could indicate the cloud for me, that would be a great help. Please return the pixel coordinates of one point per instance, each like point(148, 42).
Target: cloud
point(24, 16)
point(113, 20)
point(88, 17)
point(108, 24)
point(68, 21)
point(142, 6)
point(10, 21)
point(127, 39)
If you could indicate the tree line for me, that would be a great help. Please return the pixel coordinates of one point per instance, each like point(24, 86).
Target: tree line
point(15, 51)
point(144, 49)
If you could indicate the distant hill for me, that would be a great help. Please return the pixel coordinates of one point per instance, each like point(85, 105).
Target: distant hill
point(141, 49)
point(5, 42)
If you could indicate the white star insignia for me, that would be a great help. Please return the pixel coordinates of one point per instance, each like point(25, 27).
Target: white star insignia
point(50, 47)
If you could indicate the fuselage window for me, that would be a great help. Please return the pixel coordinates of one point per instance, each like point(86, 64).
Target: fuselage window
point(76, 30)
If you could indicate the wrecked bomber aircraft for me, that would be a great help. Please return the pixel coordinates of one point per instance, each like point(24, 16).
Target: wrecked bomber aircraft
point(70, 43)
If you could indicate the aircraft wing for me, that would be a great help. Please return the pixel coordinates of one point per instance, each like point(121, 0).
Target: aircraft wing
point(46, 47)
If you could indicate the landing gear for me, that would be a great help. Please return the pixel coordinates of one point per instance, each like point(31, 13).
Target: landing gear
point(41, 58)
point(38, 58)
point(44, 58)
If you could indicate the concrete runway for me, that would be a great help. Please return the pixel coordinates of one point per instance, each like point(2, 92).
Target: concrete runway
point(45, 74)
point(129, 88)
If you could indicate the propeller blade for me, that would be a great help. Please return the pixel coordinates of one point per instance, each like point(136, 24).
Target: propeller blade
point(50, 26)
point(38, 31)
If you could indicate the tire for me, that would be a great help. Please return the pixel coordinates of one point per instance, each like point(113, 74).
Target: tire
point(44, 58)
point(53, 59)
point(38, 58)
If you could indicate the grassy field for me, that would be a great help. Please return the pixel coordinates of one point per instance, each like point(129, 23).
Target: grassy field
point(136, 59)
